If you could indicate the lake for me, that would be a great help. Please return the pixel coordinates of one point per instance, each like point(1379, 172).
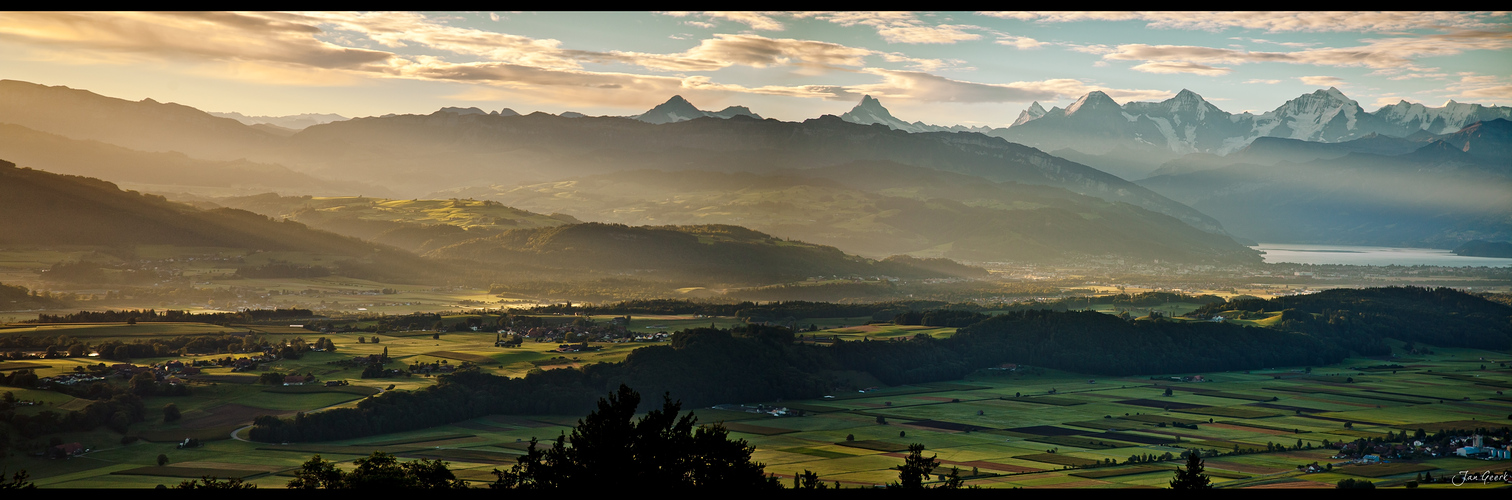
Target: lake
point(1371, 256)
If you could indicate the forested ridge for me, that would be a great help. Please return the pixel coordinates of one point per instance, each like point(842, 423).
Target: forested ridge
point(1362, 319)
point(708, 366)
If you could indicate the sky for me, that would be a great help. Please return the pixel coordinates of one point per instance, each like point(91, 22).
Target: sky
point(942, 68)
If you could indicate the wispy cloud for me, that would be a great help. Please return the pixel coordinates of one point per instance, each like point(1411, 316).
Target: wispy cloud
point(899, 27)
point(1182, 67)
point(1321, 81)
point(1267, 82)
point(934, 88)
point(1391, 54)
point(1282, 21)
point(1020, 42)
point(755, 20)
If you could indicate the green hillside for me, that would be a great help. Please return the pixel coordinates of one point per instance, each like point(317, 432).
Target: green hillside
point(710, 252)
point(882, 208)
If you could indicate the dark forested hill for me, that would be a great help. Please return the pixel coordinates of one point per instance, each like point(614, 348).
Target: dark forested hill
point(43, 208)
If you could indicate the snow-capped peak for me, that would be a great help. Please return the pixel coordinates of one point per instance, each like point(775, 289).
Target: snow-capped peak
point(1093, 100)
point(870, 111)
point(1028, 115)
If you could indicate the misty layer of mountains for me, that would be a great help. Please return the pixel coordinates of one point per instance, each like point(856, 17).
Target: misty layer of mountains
point(875, 188)
point(1134, 139)
point(46, 210)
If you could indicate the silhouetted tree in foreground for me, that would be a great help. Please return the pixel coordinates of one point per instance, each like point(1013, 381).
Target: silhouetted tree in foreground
point(661, 450)
point(379, 471)
point(19, 481)
point(1192, 477)
point(916, 469)
point(211, 483)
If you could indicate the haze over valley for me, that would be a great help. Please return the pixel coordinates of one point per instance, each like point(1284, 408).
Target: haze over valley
point(844, 237)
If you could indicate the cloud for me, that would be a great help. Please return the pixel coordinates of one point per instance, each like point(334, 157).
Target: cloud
point(1021, 42)
point(1410, 76)
point(899, 27)
point(1267, 82)
point(1322, 81)
point(209, 36)
point(1281, 21)
point(699, 24)
point(927, 87)
point(755, 20)
point(1482, 87)
point(1283, 44)
point(760, 52)
point(1389, 54)
point(1181, 67)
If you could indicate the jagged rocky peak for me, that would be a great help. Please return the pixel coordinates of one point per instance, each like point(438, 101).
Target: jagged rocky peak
point(1034, 111)
point(1186, 98)
point(869, 111)
point(1094, 101)
point(678, 109)
point(675, 109)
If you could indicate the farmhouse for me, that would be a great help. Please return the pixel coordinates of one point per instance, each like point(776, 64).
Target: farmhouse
point(68, 450)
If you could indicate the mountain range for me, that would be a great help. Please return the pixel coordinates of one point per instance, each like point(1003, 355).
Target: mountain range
point(1131, 140)
point(460, 152)
point(1375, 190)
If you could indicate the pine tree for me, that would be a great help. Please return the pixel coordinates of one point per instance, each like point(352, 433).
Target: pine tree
point(915, 468)
point(1192, 477)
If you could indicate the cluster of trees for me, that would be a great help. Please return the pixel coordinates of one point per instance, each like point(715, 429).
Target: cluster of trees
point(755, 362)
point(939, 317)
point(151, 315)
point(145, 384)
point(1363, 319)
point(19, 297)
point(161, 347)
point(117, 412)
point(275, 270)
point(379, 471)
point(662, 449)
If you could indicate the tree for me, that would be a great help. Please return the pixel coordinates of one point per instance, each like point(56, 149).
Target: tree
point(171, 413)
point(317, 473)
point(375, 472)
point(607, 448)
point(162, 460)
point(211, 483)
point(915, 468)
point(1192, 477)
point(18, 482)
point(1355, 484)
point(381, 471)
point(808, 480)
point(953, 480)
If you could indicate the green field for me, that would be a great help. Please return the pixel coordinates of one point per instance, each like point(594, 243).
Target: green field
point(962, 422)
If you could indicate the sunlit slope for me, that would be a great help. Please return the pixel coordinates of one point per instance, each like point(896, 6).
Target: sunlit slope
point(415, 225)
point(712, 253)
point(43, 209)
point(145, 125)
point(879, 208)
point(163, 172)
